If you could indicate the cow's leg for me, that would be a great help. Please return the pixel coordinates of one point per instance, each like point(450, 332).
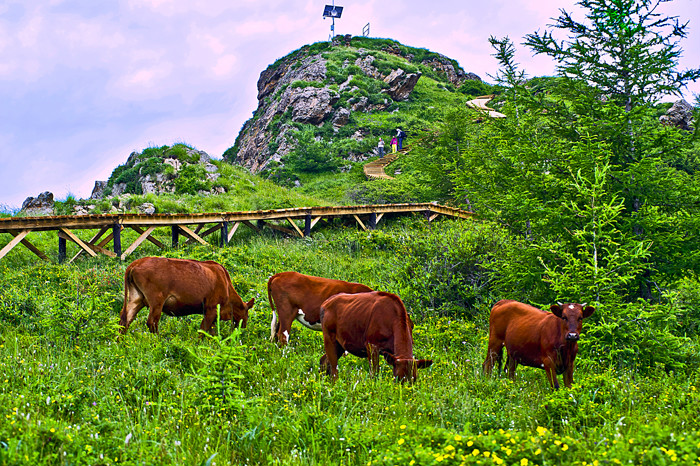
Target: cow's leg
point(333, 352)
point(155, 311)
point(286, 316)
point(551, 373)
point(494, 354)
point(373, 358)
point(569, 376)
point(133, 303)
point(207, 324)
point(511, 364)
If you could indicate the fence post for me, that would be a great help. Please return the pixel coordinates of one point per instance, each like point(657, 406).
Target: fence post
point(61, 250)
point(117, 241)
point(175, 235)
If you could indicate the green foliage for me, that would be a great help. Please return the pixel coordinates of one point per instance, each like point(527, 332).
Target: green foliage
point(218, 372)
point(311, 155)
point(445, 270)
point(191, 179)
point(629, 51)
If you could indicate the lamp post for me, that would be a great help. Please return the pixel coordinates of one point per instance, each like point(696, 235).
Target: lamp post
point(332, 12)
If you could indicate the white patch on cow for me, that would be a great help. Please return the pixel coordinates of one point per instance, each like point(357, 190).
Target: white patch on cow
point(542, 365)
point(286, 335)
point(571, 306)
point(305, 323)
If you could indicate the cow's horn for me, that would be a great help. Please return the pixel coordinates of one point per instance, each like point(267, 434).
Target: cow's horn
point(583, 305)
point(560, 304)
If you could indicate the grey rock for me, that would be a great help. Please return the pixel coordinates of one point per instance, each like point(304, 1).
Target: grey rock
point(98, 192)
point(147, 208)
point(41, 205)
point(679, 115)
point(401, 83)
point(365, 64)
point(341, 118)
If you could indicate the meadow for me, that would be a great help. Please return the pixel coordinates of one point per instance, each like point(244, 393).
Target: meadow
point(73, 393)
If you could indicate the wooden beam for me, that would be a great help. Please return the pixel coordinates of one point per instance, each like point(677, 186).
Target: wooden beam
point(379, 216)
point(13, 242)
point(193, 235)
point(301, 233)
point(433, 217)
point(149, 238)
point(31, 247)
point(315, 221)
point(211, 230)
point(67, 234)
point(92, 241)
point(249, 224)
point(138, 241)
point(360, 222)
point(280, 228)
point(233, 230)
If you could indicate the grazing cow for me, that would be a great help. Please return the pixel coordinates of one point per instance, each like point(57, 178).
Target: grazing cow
point(536, 338)
point(367, 325)
point(180, 287)
point(299, 297)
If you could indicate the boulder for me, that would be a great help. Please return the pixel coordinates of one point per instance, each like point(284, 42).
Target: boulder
point(98, 192)
point(401, 84)
point(147, 208)
point(679, 115)
point(341, 118)
point(40, 205)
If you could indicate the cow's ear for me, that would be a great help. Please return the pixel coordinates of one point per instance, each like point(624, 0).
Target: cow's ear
point(556, 310)
point(250, 303)
point(423, 363)
point(588, 311)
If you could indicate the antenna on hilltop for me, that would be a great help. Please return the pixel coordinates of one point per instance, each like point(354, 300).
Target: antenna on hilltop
point(332, 12)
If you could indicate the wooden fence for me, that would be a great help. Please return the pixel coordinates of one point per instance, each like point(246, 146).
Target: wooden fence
point(196, 227)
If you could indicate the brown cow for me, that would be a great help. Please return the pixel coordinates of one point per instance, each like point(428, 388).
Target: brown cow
point(536, 338)
point(367, 325)
point(299, 297)
point(180, 287)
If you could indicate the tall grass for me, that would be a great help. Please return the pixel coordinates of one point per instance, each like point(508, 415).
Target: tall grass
point(74, 395)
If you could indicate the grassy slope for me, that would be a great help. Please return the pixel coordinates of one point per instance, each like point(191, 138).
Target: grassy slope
point(71, 393)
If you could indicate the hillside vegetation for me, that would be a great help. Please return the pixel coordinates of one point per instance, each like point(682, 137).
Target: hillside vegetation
point(581, 194)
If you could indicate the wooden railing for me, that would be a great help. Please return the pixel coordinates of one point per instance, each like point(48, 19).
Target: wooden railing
point(196, 227)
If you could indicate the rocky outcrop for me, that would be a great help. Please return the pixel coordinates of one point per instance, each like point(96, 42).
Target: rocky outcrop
point(98, 192)
point(401, 84)
point(306, 88)
point(40, 205)
point(679, 115)
point(309, 105)
point(444, 66)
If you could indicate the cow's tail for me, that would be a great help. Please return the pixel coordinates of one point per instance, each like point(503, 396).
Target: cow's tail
point(127, 286)
point(274, 325)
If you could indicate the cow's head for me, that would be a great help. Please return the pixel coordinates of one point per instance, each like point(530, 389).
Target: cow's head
point(238, 312)
point(406, 369)
point(573, 315)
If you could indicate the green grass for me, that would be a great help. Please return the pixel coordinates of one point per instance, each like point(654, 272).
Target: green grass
point(72, 392)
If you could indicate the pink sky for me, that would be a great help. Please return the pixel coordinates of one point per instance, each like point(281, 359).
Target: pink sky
point(85, 83)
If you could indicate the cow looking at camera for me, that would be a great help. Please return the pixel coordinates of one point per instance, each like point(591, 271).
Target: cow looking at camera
point(535, 338)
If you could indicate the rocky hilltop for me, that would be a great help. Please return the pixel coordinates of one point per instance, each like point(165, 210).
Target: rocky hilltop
point(326, 84)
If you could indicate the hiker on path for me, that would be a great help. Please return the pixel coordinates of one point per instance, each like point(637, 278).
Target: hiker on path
point(394, 143)
point(380, 148)
point(401, 136)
